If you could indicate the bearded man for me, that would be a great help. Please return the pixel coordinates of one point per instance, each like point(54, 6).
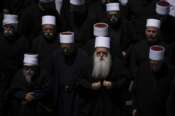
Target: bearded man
point(108, 77)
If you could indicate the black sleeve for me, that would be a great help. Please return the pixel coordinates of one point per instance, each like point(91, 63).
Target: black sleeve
point(171, 100)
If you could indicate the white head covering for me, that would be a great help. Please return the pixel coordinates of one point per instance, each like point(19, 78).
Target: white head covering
point(153, 23)
point(77, 2)
point(10, 19)
point(100, 29)
point(48, 19)
point(67, 37)
point(162, 8)
point(172, 8)
point(156, 52)
point(112, 7)
point(102, 42)
point(30, 59)
point(123, 2)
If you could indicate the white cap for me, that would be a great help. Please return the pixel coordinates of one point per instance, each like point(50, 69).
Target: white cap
point(67, 37)
point(77, 2)
point(162, 8)
point(10, 19)
point(102, 42)
point(123, 2)
point(112, 7)
point(153, 23)
point(156, 52)
point(100, 29)
point(30, 59)
point(46, 1)
point(48, 19)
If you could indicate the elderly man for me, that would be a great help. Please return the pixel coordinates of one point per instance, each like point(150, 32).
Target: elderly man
point(141, 49)
point(68, 66)
point(108, 77)
point(25, 91)
point(12, 48)
point(115, 27)
point(152, 84)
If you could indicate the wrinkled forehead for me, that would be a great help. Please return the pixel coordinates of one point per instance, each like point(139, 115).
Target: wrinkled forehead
point(48, 26)
point(101, 49)
point(152, 28)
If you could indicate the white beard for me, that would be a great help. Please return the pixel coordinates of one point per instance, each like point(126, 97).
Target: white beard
point(101, 68)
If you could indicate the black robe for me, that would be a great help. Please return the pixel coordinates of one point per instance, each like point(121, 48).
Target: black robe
point(44, 49)
point(104, 102)
point(30, 21)
point(170, 56)
point(16, 93)
point(140, 53)
point(93, 16)
point(171, 100)
point(151, 90)
point(138, 12)
point(16, 6)
point(64, 81)
point(11, 59)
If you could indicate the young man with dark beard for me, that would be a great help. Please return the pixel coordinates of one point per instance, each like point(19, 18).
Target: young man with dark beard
point(102, 95)
point(68, 66)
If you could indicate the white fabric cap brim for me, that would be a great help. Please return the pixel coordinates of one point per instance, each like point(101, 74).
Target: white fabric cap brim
point(156, 55)
point(48, 19)
point(153, 23)
point(67, 38)
point(100, 31)
point(162, 10)
point(30, 59)
point(112, 7)
point(10, 19)
point(102, 42)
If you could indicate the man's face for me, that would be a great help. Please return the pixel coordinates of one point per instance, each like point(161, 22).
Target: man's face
point(67, 49)
point(155, 65)
point(102, 63)
point(29, 71)
point(8, 30)
point(48, 31)
point(101, 53)
point(113, 17)
point(151, 33)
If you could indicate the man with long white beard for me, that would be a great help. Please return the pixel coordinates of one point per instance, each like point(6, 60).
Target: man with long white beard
point(103, 93)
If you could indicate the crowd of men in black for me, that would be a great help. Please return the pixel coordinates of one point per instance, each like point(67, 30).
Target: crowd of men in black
point(87, 58)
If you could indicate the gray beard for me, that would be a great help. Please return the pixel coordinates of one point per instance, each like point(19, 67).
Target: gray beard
point(101, 68)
